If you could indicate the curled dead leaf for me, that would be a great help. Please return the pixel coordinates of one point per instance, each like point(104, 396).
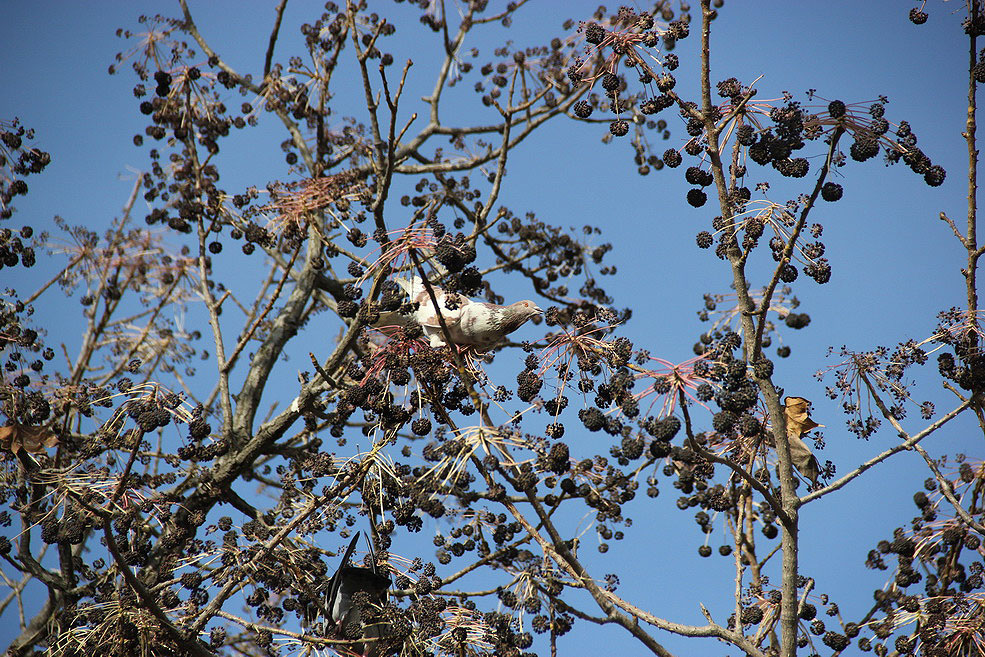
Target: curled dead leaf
point(31, 439)
point(799, 422)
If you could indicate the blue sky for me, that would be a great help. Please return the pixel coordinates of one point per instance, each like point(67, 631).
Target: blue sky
point(895, 263)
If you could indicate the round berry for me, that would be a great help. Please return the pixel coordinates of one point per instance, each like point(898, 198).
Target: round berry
point(594, 33)
point(831, 191)
point(583, 109)
point(788, 274)
point(935, 176)
point(696, 197)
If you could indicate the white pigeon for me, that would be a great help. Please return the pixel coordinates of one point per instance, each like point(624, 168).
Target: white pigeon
point(470, 323)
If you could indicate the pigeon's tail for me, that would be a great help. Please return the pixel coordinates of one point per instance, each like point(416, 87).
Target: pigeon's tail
point(412, 286)
point(313, 609)
point(350, 550)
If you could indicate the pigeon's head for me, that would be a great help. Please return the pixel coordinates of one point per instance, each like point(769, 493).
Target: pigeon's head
point(527, 309)
point(516, 314)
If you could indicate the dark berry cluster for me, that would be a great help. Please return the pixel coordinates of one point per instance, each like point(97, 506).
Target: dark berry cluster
point(917, 16)
point(964, 365)
point(906, 149)
point(627, 40)
point(17, 161)
point(14, 250)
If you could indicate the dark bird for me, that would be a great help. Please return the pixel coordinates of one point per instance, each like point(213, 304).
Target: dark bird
point(347, 582)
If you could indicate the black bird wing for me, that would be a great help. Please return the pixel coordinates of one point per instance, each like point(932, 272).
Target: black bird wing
point(355, 580)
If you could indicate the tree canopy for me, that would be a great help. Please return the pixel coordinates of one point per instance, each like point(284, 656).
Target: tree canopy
point(436, 328)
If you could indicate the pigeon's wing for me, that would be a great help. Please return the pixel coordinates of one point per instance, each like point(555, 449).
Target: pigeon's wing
point(428, 316)
point(352, 581)
point(479, 324)
point(355, 579)
point(390, 321)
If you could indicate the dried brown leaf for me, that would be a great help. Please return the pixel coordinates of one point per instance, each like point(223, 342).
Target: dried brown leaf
point(799, 422)
point(31, 439)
